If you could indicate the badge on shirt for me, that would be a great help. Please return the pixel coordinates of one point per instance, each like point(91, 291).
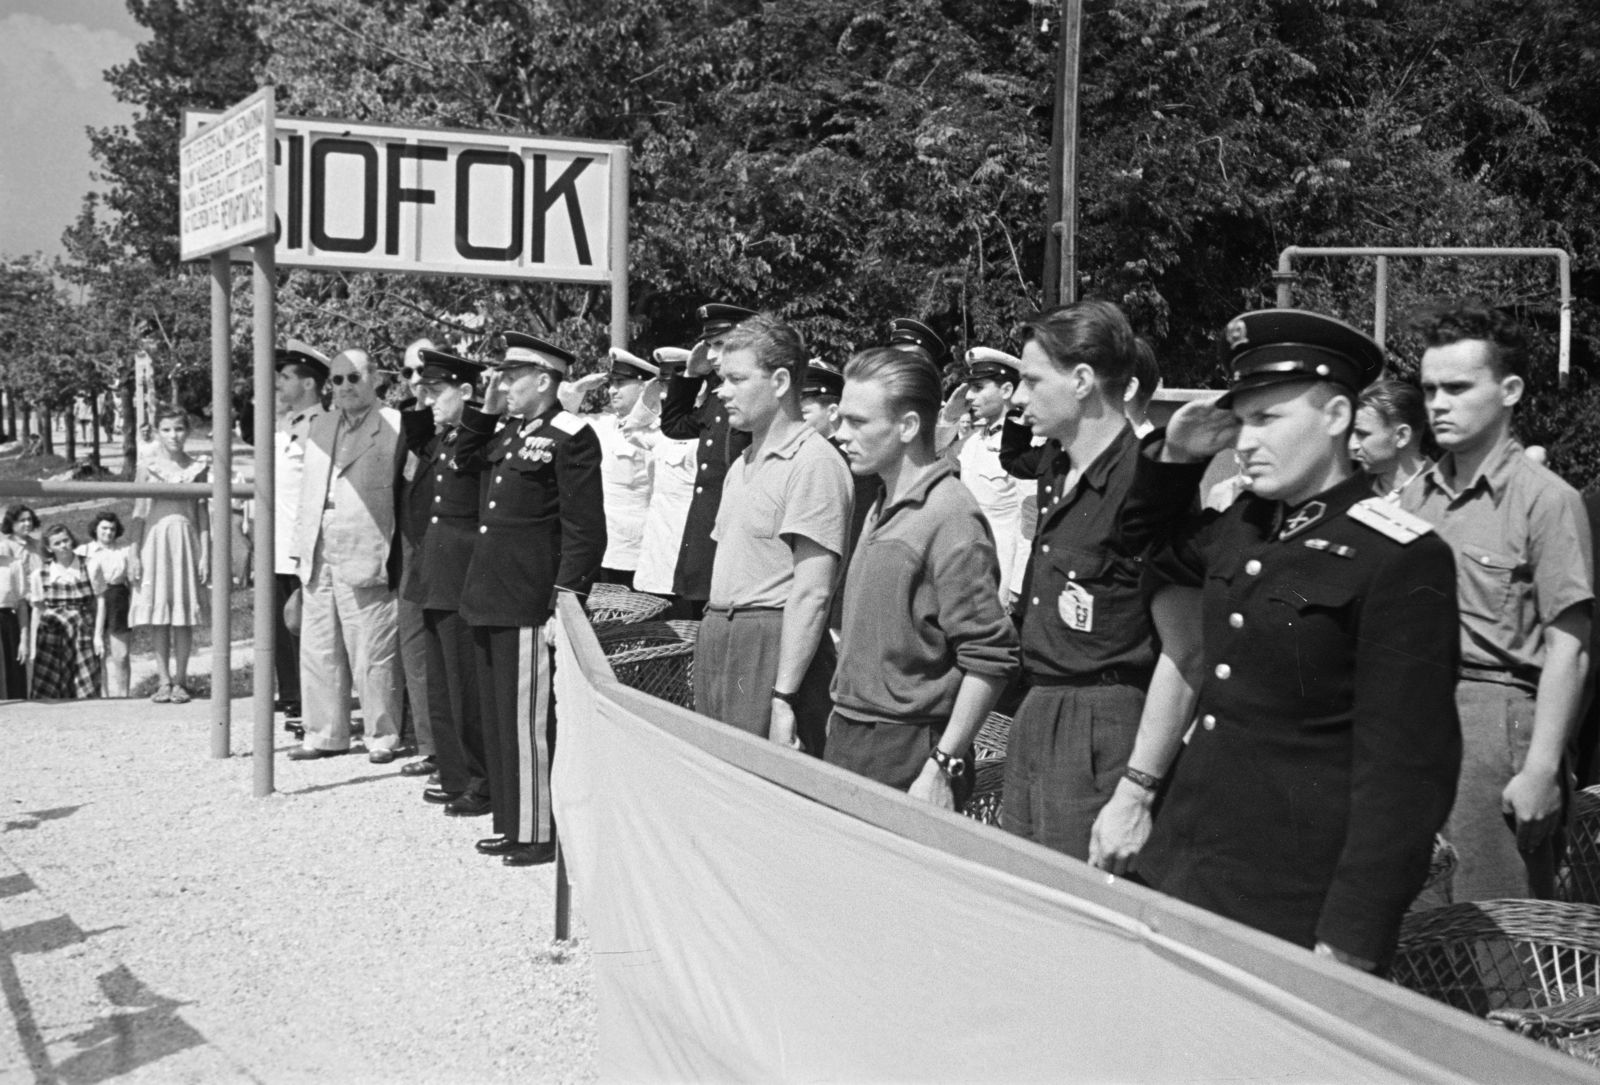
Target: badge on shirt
point(1076, 606)
point(537, 449)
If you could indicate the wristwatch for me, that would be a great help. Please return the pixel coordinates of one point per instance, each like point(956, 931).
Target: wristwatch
point(787, 698)
point(953, 767)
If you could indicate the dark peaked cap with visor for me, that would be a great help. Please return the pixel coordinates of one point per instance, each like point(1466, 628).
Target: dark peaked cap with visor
point(437, 365)
point(822, 379)
point(1275, 346)
point(523, 349)
point(717, 318)
point(907, 333)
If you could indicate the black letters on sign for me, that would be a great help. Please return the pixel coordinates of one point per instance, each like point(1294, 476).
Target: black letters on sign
point(464, 163)
point(566, 187)
point(297, 159)
point(368, 154)
point(394, 193)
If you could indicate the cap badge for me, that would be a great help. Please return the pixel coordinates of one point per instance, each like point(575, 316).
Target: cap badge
point(1237, 333)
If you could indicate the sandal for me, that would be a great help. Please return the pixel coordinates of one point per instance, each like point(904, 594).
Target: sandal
point(180, 695)
point(163, 695)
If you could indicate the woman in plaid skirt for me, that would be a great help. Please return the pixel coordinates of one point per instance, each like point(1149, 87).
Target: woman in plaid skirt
point(69, 615)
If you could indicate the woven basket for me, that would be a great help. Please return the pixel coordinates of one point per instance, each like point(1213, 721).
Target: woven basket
point(653, 657)
point(1531, 965)
point(989, 750)
point(1579, 879)
point(612, 604)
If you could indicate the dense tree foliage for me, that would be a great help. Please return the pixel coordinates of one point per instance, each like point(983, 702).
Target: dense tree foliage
point(847, 161)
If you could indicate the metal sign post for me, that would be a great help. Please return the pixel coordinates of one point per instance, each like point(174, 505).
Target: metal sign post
point(221, 505)
point(225, 198)
point(264, 274)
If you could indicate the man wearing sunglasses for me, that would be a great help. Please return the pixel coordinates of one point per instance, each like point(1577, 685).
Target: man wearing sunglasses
point(345, 555)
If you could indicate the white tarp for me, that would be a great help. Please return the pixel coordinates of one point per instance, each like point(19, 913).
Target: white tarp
point(763, 922)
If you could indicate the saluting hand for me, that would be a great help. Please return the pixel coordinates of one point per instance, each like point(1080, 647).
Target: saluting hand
point(494, 395)
point(699, 361)
point(1199, 430)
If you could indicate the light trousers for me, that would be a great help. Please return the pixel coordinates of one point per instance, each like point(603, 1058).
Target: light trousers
point(346, 632)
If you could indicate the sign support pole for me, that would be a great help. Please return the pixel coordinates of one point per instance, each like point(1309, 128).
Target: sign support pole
point(619, 248)
point(265, 275)
point(221, 505)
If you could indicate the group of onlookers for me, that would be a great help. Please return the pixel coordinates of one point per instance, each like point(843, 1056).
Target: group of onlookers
point(67, 609)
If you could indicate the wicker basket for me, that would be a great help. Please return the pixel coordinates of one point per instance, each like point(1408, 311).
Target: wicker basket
point(1579, 879)
point(612, 604)
point(1531, 965)
point(653, 657)
point(989, 750)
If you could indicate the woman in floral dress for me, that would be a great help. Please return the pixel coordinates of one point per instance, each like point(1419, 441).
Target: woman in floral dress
point(171, 538)
point(69, 614)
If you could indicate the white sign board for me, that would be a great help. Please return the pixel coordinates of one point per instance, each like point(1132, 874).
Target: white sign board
point(225, 183)
point(372, 197)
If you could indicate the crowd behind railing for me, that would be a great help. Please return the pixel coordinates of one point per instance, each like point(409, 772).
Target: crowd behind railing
point(1277, 699)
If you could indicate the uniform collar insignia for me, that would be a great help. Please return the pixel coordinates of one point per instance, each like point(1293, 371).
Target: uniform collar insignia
point(1308, 514)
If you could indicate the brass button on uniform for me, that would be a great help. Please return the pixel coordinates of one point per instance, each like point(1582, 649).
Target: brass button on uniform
point(1045, 548)
point(1253, 567)
point(1209, 722)
point(1236, 620)
point(435, 520)
point(483, 530)
point(491, 504)
point(699, 489)
point(1223, 671)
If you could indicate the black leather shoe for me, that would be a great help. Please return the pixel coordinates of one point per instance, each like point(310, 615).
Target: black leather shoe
point(306, 753)
point(433, 778)
point(468, 806)
point(290, 709)
point(420, 767)
point(439, 796)
point(529, 854)
point(381, 757)
point(495, 845)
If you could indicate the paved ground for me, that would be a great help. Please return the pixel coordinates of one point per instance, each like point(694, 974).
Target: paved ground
point(157, 924)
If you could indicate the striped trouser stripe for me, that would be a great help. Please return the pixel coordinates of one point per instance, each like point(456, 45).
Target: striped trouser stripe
point(533, 751)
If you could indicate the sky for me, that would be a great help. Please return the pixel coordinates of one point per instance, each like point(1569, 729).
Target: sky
point(52, 54)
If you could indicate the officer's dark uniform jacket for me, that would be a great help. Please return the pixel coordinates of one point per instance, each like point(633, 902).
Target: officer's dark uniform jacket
point(1328, 745)
point(717, 445)
point(443, 512)
point(541, 514)
point(1077, 545)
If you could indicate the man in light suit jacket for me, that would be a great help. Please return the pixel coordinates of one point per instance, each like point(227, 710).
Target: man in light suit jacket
point(344, 555)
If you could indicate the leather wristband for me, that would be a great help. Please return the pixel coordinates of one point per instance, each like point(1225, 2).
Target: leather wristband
point(952, 767)
point(1142, 779)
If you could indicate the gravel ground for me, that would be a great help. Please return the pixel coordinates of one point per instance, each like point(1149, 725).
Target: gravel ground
point(157, 924)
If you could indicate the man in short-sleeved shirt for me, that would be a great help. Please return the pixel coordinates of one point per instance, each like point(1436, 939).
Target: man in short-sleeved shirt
point(763, 660)
point(1524, 581)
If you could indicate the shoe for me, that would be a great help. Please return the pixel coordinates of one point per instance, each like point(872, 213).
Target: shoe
point(433, 778)
point(468, 806)
point(381, 757)
point(299, 733)
point(529, 854)
point(307, 753)
point(439, 796)
point(495, 845)
point(180, 695)
point(163, 695)
point(420, 767)
point(290, 709)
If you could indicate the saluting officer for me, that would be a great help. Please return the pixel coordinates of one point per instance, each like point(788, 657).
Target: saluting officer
point(542, 529)
point(445, 386)
point(687, 415)
point(1328, 746)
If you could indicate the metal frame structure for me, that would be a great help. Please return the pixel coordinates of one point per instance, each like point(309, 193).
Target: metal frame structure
point(1286, 276)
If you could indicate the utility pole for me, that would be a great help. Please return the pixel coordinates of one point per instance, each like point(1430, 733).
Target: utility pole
point(1067, 79)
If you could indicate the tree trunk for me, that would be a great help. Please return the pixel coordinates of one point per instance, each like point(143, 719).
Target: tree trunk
point(27, 424)
point(11, 416)
point(130, 428)
point(94, 439)
point(47, 431)
point(70, 416)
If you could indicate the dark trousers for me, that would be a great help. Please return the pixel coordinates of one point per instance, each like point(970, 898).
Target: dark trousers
point(893, 754)
point(1068, 748)
point(454, 703)
point(286, 645)
point(621, 577)
point(13, 675)
point(736, 666)
point(513, 666)
point(414, 663)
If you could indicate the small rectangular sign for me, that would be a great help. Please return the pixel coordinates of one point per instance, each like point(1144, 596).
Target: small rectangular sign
point(225, 179)
point(374, 197)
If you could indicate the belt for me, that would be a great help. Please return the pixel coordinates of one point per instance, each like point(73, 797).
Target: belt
point(734, 612)
point(1521, 677)
point(1111, 676)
